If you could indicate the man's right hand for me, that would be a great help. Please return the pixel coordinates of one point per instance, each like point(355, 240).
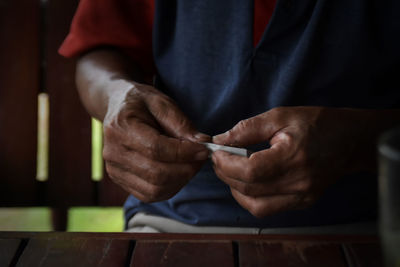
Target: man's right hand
point(151, 148)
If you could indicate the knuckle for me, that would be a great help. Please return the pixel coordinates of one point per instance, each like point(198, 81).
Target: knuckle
point(234, 134)
point(291, 139)
point(243, 124)
point(250, 174)
point(152, 176)
point(156, 177)
point(231, 135)
point(153, 150)
point(108, 155)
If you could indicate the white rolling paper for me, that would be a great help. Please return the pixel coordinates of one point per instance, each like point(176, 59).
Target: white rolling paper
point(233, 150)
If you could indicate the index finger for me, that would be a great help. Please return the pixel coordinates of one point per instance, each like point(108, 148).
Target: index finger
point(261, 165)
point(149, 142)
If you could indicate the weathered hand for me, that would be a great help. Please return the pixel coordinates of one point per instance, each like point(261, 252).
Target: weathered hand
point(311, 147)
point(150, 147)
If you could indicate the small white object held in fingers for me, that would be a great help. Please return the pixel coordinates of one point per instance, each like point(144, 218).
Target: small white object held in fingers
point(230, 149)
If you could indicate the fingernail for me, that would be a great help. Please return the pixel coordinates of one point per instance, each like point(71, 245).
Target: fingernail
point(217, 139)
point(202, 137)
point(202, 155)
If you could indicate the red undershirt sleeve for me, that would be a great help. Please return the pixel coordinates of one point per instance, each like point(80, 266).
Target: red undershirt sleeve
point(263, 10)
point(127, 25)
point(124, 24)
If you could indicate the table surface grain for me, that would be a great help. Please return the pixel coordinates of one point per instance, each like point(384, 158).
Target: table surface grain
point(57, 249)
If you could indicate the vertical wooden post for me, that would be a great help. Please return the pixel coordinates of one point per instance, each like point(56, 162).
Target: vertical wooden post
point(70, 171)
point(19, 86)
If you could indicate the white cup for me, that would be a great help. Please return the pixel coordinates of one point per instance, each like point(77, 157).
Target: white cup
point(389, 196)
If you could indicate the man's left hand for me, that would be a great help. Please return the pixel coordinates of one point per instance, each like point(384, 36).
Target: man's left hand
point(310, 148)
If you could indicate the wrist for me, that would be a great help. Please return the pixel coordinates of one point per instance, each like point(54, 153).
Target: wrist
point(101, 77)
point(115, 95)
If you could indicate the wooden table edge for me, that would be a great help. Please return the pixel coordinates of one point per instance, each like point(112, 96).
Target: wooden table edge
point(206, 237)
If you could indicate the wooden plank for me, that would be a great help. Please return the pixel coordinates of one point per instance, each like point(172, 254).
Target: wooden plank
point(8, 250)
point(19, 86)
point(364, 254)
point(296, 254)
point(254, 250)
point(183, 253)
point(70, 172)
point(333, 239)
point(75, 252)
point(59, 218)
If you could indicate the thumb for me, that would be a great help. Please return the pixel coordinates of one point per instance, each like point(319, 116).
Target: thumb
point(247, 132)
point(173, 121)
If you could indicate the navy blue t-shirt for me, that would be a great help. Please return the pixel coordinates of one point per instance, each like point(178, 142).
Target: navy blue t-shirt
point(335, 53)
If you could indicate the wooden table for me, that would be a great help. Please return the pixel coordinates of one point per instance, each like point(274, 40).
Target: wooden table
point(122, 249)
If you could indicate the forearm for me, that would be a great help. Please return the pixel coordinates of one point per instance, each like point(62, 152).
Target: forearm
point(149, 152)
point(100, 75)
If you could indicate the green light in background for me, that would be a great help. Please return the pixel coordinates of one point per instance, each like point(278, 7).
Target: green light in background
point(42, 156)
point(90, 219)
point(97, 147)
point(25, 219)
